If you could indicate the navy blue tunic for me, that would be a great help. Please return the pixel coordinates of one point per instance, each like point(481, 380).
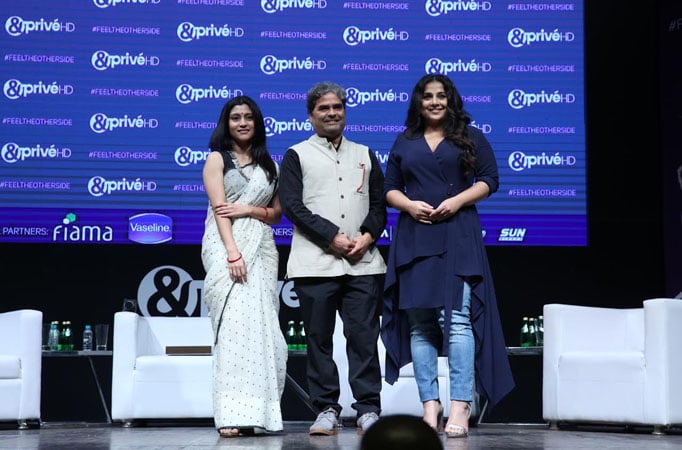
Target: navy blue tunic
point(428, 263)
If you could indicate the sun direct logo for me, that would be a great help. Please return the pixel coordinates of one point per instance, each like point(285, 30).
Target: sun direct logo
point(512, 235)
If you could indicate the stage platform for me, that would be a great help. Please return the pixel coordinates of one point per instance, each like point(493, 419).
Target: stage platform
point(202, 436)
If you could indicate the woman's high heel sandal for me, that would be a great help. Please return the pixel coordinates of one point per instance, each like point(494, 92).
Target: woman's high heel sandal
point(438, 427)
point(229, 432)
point(458, 431)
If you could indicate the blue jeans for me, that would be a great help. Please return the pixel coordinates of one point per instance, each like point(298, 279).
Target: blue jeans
point(426, 328)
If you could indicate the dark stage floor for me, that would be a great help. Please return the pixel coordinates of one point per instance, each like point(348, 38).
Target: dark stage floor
point(82, 436)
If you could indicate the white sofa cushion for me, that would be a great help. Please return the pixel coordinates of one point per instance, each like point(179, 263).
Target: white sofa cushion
point(581, 384)
point(165, 369)
point(10, 367)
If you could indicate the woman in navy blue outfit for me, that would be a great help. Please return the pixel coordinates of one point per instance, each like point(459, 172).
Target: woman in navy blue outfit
point(439, 293)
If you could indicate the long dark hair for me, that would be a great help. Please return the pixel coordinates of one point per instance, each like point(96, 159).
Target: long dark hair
point(221, 140)
point(455, 124)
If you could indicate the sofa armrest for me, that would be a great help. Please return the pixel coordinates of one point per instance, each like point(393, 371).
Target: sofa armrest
point(21, 334)
point(123, 364)
point(663, 335)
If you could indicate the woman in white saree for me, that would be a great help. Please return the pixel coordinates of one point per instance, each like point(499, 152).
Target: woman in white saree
point(241, 262)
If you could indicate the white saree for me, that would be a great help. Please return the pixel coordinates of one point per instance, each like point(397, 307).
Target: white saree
point(250, 354)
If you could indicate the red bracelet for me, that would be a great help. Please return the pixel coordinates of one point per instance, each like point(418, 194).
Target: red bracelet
point(266, 213)
point(234, 260)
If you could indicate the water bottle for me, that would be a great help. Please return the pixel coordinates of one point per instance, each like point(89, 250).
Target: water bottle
point(65, 337)
point(291, 336)
point(540, 331)
point(525, 335)
point(532, 331)
point(302, 341)
point(53, 336)
point(87, 338)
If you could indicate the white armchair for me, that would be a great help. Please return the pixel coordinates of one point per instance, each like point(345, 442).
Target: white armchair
point(400, 398)
point(617, 366)
point(20, 365)
point(148, 384)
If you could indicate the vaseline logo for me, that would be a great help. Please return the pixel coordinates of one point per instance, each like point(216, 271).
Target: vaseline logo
point(150, 228)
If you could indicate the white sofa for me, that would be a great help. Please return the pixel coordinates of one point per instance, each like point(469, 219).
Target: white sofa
point(148, 384)
point(616, 366)
point(20, 365)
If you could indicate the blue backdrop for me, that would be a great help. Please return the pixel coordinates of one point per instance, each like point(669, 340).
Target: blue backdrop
point(107, 105)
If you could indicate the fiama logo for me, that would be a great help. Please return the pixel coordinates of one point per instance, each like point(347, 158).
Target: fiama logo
point(69, 231)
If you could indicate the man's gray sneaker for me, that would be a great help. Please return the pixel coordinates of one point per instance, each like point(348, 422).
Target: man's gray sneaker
point(325, 424)
point(365, 421)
